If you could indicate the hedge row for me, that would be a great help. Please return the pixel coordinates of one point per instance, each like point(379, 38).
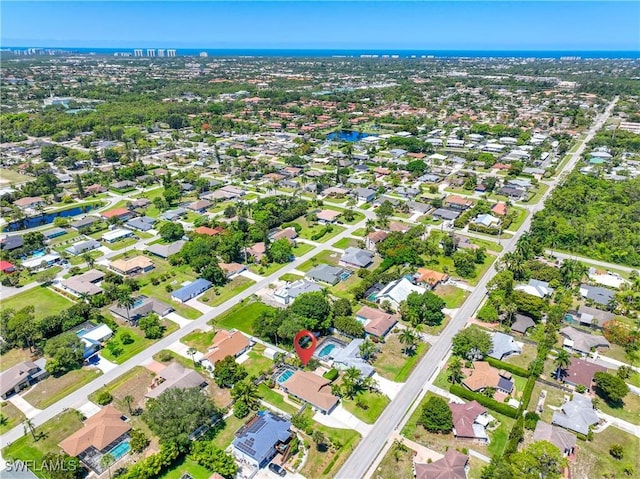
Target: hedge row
point(526, 393)
point(489, 403)
point(295, 226)
point(512, 368)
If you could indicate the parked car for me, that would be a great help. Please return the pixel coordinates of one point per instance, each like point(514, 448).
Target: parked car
point(277, 469)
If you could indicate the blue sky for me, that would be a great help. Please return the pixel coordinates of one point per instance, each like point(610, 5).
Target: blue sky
point(464, 25)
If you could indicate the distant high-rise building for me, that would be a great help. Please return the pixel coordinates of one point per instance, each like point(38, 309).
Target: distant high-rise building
point(137, 52)
point(151, 52)
point(171, 53)
point(204, 54)
point(160, 52)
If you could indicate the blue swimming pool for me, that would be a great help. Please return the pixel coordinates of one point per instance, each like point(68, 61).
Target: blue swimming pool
point(326, 350)
point(285, 376)
point(372, 297)
point(345, 275)
point(569, 318)
point(39, 253)
point(120, 450)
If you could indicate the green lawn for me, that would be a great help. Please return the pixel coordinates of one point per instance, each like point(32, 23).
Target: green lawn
point(118, 245)
point(301, 249)
point(13, 357)
point(257, 364)
point(328, 257)
point(53, 389)
point(375, 404)
point(290, 277)
point(519, 219)
point(541, 189)
point(45, 301)
point(308, 230)
point(242, 316)
point(594, 461)
point(218, 295)
point(12, 177)
point(452, 296)
point(276, 399)
point(185, 465)
point(397, 462)
point(392, 364)
point(266, 270)
point(324, 465)
point(12, 414)
point(488, 244)
point(628, 411)
point(359, 232)
point(345, 243)
point(134, 383)
point(51, 432)
point(443, 262)
point(200, 340)
point(139, 344)
point(225, 435)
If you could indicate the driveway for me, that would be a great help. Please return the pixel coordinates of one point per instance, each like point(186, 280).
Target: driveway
point(342, 419)
point(26, 408)
point(388, 387)
point(181, 349)
point(105, 365)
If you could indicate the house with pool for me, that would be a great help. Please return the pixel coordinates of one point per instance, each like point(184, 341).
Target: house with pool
point(103, 433)
point(308, 387)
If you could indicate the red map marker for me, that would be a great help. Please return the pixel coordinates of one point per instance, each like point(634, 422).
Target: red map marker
point(305, 353)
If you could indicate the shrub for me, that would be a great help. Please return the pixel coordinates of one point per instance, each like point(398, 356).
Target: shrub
point(165, 356)
point(104, 398)
point(126, 338)
point(331, 374)
point(616, 451)
point(512, 368)
point(530, 420)
point(489, 403)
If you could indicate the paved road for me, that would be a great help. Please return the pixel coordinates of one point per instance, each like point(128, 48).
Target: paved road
point(79, 397)
point(365, 456)
point(604, 264)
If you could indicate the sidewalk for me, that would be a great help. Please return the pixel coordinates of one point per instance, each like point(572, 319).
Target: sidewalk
point(620, 424)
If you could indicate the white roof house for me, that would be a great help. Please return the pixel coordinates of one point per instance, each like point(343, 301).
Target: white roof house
point(115, 235)
point(398, 291)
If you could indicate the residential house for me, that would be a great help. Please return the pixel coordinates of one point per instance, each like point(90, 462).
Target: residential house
point(445, 214)
point(123, 185)
point(376, 322)
point(499, 209)
point(54, 233)
point(452, 466)
point(576, 415)
point(199, 206)
point(142, 307)
point(582, 342)
point(356, 258)
point(225, 343)
point(173, 215)
point(398, 291)
point(483, 376)
point(539, 289)
point(581, 372)
point(503, 345)
point(486, 220)
point(513, 193)
point(430, 278)
point(130, 267)
point(116, 235)
point(257, 251)
point(84, 223)
point(470, 421)
point(522, 324)
point(83, 247)
point(232, 269)
point(290, 291)
point(191, 290)
point(141, 223)
point(29, 202)
point(6, 267)
point(100, 434)
point(41, 262)
point(349, 357)
point(565, 441)
point(123, 214)
point(597, 294)
point(365, 194)
point(205, 230)
point(262, 438)
point(326, 273)
point(21, 376)
point(165, 250)
point(327, 216)
point(312, 389)
point(290, 233)
point(588, 316)
point(174, 376)
point(372, 239)
point(456, 202)
point(85, 283)
point(94, 189)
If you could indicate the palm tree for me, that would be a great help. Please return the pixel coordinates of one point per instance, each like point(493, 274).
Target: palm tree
point(28, 426)
point(455, 370)
point(514, 262)
point(510, 310)
point(246, 392)
point(562, 361)
point(408, 338)
point(191, 352)
point(128, 400)
point(125, 300)
point(352, 382)
point(367, 349)
point(106, 461)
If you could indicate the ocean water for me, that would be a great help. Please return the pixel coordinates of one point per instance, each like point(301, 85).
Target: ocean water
point(320, 53)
